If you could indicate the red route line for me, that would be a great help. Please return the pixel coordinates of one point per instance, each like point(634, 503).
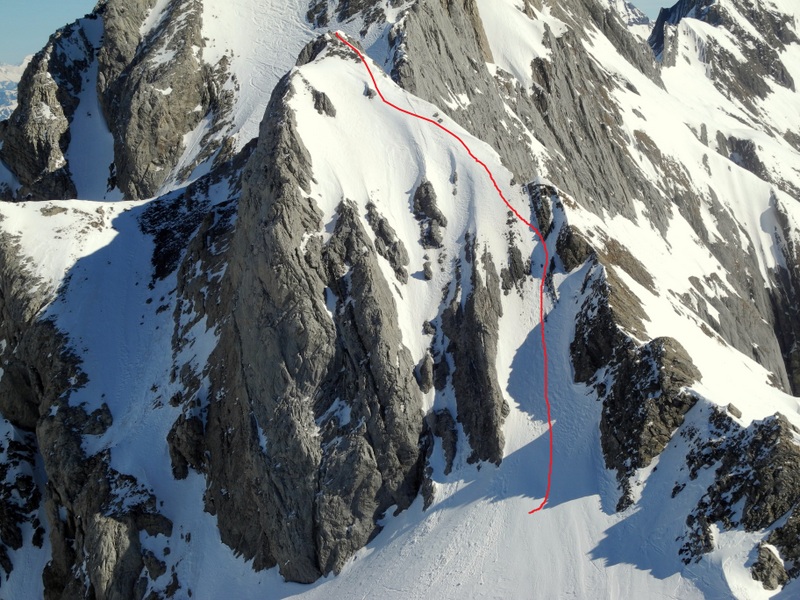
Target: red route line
point(521, 218)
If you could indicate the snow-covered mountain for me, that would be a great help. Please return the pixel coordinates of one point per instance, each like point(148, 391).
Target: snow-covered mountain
point(9, 78)
point(637, 22)
point(266, 335)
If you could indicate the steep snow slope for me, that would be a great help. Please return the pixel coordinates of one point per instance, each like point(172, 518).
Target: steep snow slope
point(262, 41)
point(91, 149)
point(670, 121)
point(637, 22)
point(259, 42)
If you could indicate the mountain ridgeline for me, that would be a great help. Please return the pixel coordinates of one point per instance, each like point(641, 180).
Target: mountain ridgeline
point(235, 364)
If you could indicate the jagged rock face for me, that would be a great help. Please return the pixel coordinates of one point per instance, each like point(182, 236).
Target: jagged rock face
point(37, 135)
point(155, 90)
point(553, 111)
point(152, 89)
point(34, 366)
point(122, 23)
point(641, 386)
point(431, 220)
point(768, 569)
point(472, 330)
point(745, 79)
point(324, 412)
point(382, 436)
point(444, 40)
point(313, 428)
point(20, 496)
point(322, 12)
point(644, 405)
point(388, 245)
point(755, 485)
point(786, 313)
point(629, 13)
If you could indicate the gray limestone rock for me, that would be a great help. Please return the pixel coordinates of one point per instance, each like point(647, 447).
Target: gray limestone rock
point(787, 311)
point(768, 569)
point(644, 406)
point(424, 373)
point(20, 495)
point(756, 484)
point(561, 109)
point(323, 104)
point(150, 90)
point(785, 539)
point(597, 173)
point(431, 220)
point(322, 12)
point(186, 446)
point(384, 395)
point(734, 411)
point(598, 336)
point(284, 369)
point(264, 376)
point(313, 426)
point(517, 270)
point(572, 248)
point(438, 424)
point(37, 134)
point(92, 524)
point(444, 427)
point(642, 387)
point(388, 245)
point(744, 79)
point(471, 325)
point(122, 22)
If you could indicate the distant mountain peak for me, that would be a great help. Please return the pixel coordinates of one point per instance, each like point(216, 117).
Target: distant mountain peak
point(13, 73)
point(629, 13)
point(9, 78)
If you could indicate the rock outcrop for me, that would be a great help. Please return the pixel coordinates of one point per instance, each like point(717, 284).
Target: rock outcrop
point(322, 409)
point(155, 90)
point(641, 386)
point(20, 496)
point(756, 485)
point(471, 326)
point(744, 76)
point(37, 135)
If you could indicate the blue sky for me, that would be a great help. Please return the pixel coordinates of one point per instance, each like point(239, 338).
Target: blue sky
point(25, 25)
point(651, 7)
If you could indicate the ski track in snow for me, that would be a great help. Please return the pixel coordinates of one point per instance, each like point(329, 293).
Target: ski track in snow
point(518, 216)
